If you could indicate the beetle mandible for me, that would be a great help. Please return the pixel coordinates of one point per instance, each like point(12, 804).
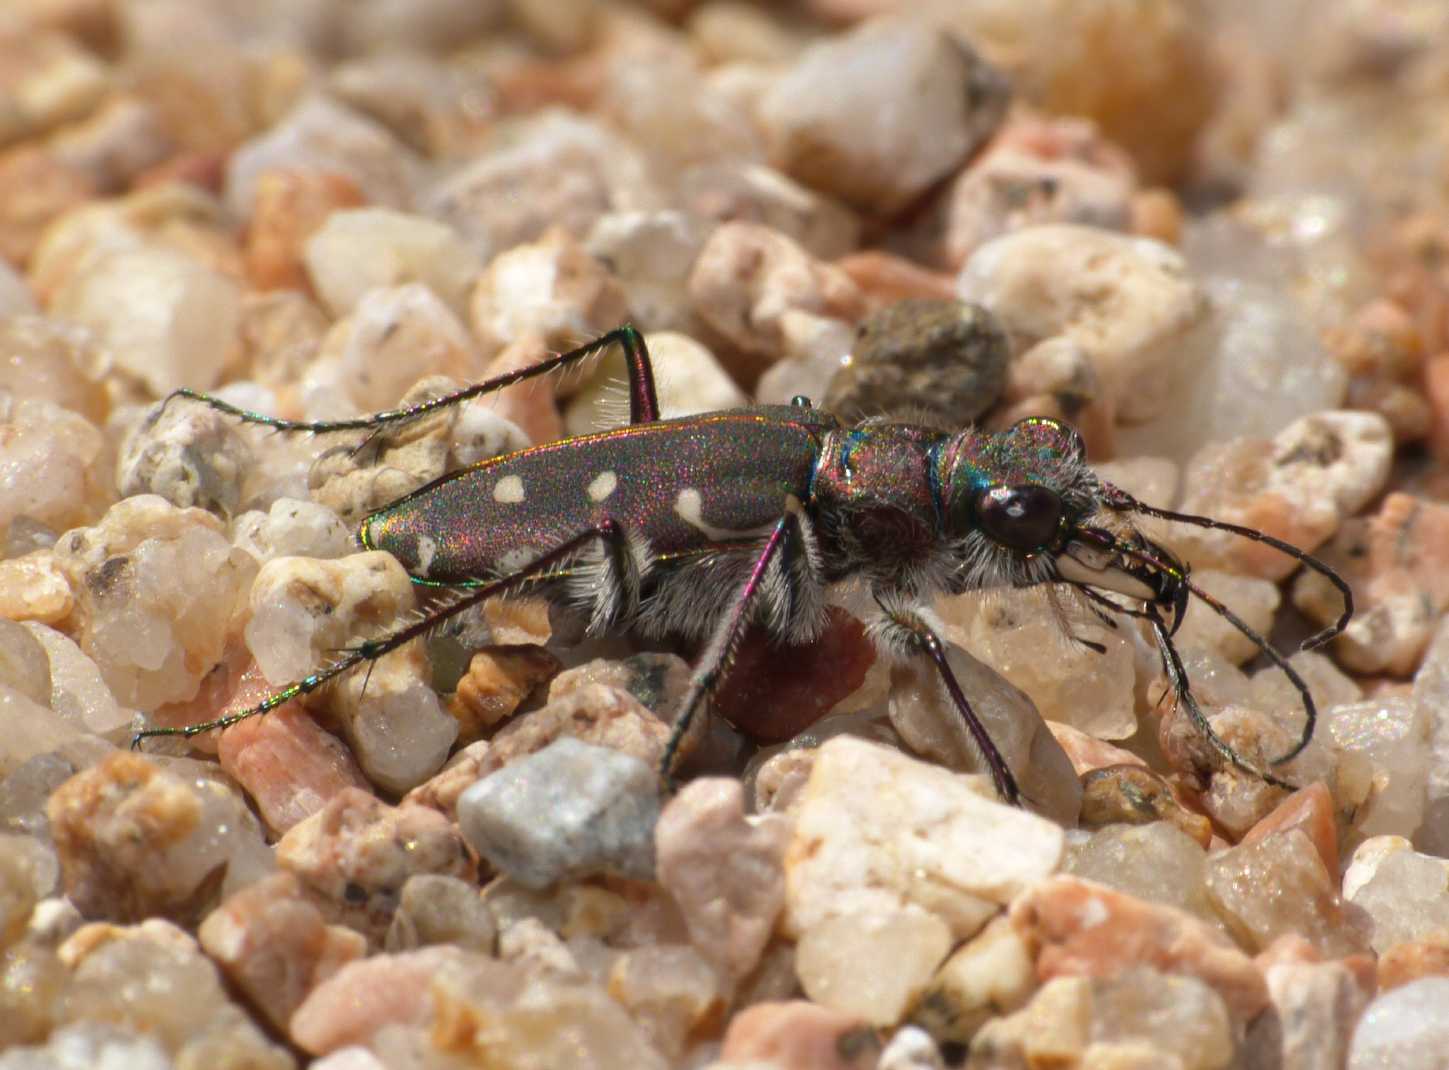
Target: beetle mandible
point(703, 525)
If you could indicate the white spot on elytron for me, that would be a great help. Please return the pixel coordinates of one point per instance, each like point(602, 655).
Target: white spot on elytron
point(604, 484)
point(517, 558)
point(427, 549)
point(509, 490)
point(690, 507)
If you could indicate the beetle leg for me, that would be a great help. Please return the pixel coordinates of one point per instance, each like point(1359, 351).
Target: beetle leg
point(643, 398)
point(720, 649)
point(608, 531)
point(901, 627)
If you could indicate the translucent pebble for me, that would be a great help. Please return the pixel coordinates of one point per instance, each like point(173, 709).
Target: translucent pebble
point(32, 984)
point(16, 300)
point(670, 990)
point(1130, 303)
point(739, 191)
point(48, 360)
point(50, 466)
point(292, 527)
point(98, 1044)
point(1156, 862)
point(322, 135)
point(876, 115)
point(481, 433)
point(574, 167)
point(1406, 898)
point(136, 840)
point(1279, 885)
point(1383, 764)
point(361, 998)
point(1272, 691)
point(1404, 1027)
point(394, 337)
point(32, 587)
point(189, 454)
point(158, 591)
point(928, 721)
point(688, 377)
point(24, 666)
point(355, 856)
point(157, 982)
point(78, 693)
point(905, 947)
point(990, 973)
point(435, 908)
point(28, 729)
point(1431, 689)
point(166, 318)
point(1253, 600)
point(650, 253)
point(1073, 684)
point(369, 248)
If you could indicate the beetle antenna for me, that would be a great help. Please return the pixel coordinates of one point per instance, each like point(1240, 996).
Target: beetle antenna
point(1122, 500)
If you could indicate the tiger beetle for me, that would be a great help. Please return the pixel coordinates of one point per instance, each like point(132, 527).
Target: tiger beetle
point(699, 527)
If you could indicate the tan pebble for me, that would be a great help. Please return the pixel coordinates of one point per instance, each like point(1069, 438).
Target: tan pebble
point(1087, 929)
point(528, 404)
point(598, 713)
point(498, 680)
point(356, 853)
point(1157, 213)
point(518, 621)
point(275, 945)
point(441, 791)
point(905, 948)
point(34, 588)
point(1412, 959)
point(36, 187)
point(884, 278)
point(797, 1034)
point(1134, 795)
point(724, 870)
point(289, 204)
point(990, 975)
point(672, 991)
point(1087, 752)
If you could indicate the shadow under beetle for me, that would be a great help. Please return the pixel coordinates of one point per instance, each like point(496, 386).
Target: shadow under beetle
point(703, 525)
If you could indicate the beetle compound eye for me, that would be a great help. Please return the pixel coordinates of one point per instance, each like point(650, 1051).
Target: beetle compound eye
point(1025, 518)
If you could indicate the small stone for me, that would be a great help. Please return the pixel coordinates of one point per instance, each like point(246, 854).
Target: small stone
point(366, 995)
point(1254, 601)
point(945, 357)
point(729, 191)
point(1085, 929)
point(274, 945)
point(990, 975)
point(1156, 862)
point(600, 714)
point(911, 1049)
point(50, 79)
point(1134, 795)
point(51, 461)
point(1299, 488)
point(1310, 810)
point(836, 119)
point(570, 809)
point(1130, 303)
point(137, 841)
point(724, 870)
point(905, 946)
point(354, 856)
point(749, 280)
point(925, 715)
point(650, 253)
point(165, 317)
point(435, 908)
point(1279, 885)
point(47, 360)
point(531, 405)
point(443, 110)
point(321, 135)
point(498, 681)
point(292, 527)
point(529, 942)
point(1405, 1027)
point(860, 843)
point(1413, 959)
point(886, 278)
point(798, 1035)
point(669, 990)
point(37, 187)
point(1392, 561)
point(1382, 765)
point(303, 610)
point(77, 691)
point(29, 730)
point(1036, 170)
point(24, 665)
point(289, 765)
point(551, 288)
point(689, 380)
point(32, 986)
point(1406, 896)
point(153, 980)
point(362, 249)
point(189, 454)
point(291, 204)
point(1075, 1020)
point(1315, 1007)
point(116, 144)
point(575, 169)
point(1272, 690)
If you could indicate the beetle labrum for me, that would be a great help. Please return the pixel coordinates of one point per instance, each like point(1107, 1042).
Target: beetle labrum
point(703, 525)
